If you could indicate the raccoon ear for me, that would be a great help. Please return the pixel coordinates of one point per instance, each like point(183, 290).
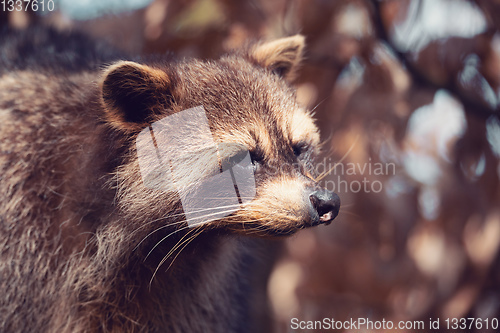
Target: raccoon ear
point(133, 93)
point(281, 56)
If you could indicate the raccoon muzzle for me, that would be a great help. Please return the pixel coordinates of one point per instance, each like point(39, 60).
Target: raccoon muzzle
point(326, 206)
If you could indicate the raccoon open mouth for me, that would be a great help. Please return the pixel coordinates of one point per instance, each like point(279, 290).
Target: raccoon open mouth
point(322, 208)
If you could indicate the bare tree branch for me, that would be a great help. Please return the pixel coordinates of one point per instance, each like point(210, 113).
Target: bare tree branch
point(471, 105)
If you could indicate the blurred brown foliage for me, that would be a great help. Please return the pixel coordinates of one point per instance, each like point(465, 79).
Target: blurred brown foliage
point(427, 244)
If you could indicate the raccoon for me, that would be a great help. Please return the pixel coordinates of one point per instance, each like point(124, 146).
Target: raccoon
point(85, 246)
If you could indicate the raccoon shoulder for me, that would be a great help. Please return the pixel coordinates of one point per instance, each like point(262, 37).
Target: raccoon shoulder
point(45, 49)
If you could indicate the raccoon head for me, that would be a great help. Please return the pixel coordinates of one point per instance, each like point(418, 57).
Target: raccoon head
point(243, 125)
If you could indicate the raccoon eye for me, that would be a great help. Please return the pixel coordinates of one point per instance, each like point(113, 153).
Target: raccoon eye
point(300, 148)
point(256, 156)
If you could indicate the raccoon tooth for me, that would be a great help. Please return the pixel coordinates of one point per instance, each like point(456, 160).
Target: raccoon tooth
point(327, 218)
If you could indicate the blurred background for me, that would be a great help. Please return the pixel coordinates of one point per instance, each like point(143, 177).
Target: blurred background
point(407, 96)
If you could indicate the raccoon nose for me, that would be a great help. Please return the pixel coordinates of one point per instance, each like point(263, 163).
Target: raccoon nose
point(326, 204)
